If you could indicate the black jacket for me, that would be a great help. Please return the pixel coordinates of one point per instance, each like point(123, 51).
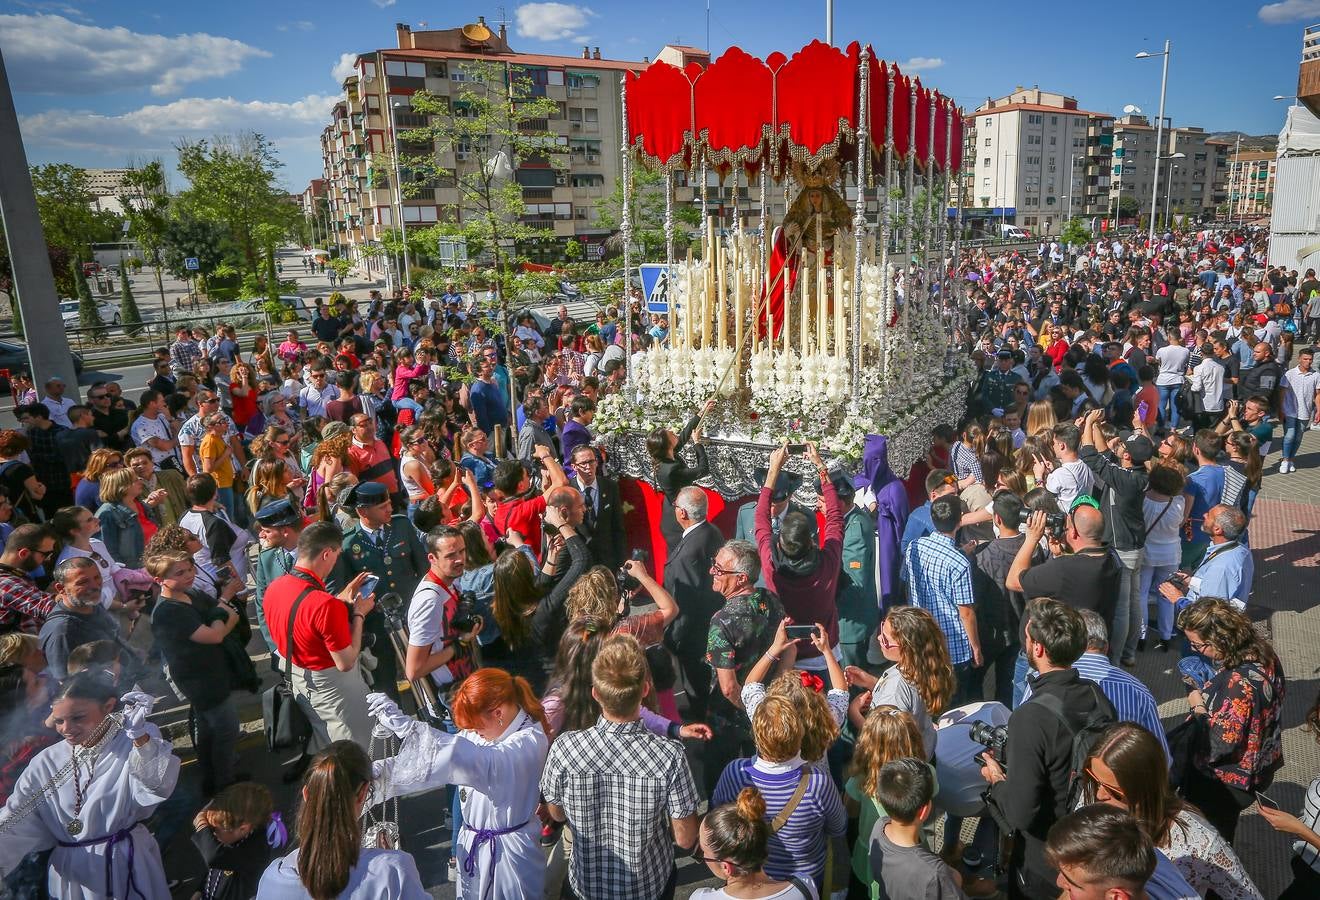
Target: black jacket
point(1039, 765)
point(606, 538)
point(673, 475)
point(1122, 502)
point(687, 578)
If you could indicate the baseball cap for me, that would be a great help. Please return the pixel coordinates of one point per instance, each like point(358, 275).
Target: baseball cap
point(1138, 446)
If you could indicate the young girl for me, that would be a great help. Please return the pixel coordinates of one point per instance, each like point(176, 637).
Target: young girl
point(235, 835)
point(887, 734)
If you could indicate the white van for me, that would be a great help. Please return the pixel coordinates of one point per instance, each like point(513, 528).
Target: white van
point(1012, 233)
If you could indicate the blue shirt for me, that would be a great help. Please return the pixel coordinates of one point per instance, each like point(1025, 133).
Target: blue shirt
point(1167, 883)
point(1206, 486)
point(919, 524)
point(941, 579)
point(1226, 571)
point(488, 404)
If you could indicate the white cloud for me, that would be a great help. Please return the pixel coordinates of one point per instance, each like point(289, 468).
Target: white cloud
point(344, 68)
point(49, 54)
point(552, 21)
point(1290, 11)
point(155, 129)
point(921, 64)
point(384, 4)
point(297, 25)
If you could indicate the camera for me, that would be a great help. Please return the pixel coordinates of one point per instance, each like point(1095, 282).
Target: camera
point(1056, 525)
point(627, 583)
point(465, 613)
point(992, 737)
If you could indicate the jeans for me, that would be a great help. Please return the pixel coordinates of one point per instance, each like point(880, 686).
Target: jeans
point(226, 497)
point(1168, 403)
point(1020, 671)
point(217, 742)
point(1126, 627)
point(1293, 429)
point(1151, 579)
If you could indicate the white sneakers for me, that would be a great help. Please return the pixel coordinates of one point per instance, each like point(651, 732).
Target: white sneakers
point(1285, 467)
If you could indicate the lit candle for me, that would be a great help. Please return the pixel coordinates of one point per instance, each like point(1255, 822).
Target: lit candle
point(839, 296)
point(737, 308)
point(686, 312)
point(784, 322)
point(805, 318)
point(721, 260)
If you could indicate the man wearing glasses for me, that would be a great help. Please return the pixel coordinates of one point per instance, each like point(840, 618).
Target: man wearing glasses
point(192, 432)
point(318, 392)
point(24, 606)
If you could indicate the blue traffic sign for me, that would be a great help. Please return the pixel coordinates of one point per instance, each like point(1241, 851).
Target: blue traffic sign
point(192, 264)
point(655, 286)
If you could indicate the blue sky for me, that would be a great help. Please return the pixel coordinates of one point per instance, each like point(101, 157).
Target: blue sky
point(109, 82)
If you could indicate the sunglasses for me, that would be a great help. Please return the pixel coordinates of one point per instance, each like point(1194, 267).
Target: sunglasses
point(1116, 793)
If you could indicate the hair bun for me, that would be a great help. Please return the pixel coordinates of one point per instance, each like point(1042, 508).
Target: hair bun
point(751, 805)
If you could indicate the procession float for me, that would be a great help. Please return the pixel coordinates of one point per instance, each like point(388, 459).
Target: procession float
point(836, 321)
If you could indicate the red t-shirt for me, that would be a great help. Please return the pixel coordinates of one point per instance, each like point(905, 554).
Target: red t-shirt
point(322, 626)
point(524, 517)
point(373, 463)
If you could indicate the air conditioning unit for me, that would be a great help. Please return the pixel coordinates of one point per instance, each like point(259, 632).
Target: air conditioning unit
point(561, 180)
point(462, 155)
point(577, 126)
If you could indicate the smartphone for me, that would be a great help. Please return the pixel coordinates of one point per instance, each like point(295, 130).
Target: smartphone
point(799, 632)
point(368, 586)
point(797, 448)
point(1142, 408)
point(1263, 800)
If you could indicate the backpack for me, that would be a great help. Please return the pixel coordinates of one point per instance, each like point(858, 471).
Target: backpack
point(1083, 738)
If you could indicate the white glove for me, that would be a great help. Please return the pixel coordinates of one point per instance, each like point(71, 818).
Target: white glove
point(137, 706)
point(387, 713)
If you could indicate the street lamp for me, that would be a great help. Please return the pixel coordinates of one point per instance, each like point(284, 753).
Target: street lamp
point(1072, 166)
point(1159, 138)
point(1292, 97)
point(1169, 183)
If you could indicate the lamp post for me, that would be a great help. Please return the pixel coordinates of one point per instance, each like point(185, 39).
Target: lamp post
point(1159, 139)
point(1168, 186)
point(1072, 168)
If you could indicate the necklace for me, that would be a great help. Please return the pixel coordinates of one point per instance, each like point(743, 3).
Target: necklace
point(89, 758)
point(101, 737)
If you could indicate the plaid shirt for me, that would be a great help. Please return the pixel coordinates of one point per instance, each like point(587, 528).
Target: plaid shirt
point(619, 786)
point(182, 356)
point(941, 578)
point(23, 606)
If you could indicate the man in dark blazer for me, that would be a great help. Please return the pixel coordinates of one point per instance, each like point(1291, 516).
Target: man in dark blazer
point(687, 578)
point(602, 523)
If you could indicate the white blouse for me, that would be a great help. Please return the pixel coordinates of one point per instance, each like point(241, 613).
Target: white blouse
point(1206, 860)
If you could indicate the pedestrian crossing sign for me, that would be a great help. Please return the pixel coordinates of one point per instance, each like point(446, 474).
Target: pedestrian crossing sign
point(655, 286)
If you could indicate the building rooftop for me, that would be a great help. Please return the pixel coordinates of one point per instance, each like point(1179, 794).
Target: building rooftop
point(1036, 107)
point(1253, 155)
point(528, 59)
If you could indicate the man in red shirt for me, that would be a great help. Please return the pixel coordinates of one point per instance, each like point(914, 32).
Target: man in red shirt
point(327, 638)
point(369, 459)
point(516, 512)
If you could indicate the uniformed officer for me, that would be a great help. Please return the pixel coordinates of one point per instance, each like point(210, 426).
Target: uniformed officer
point(279, 525)
point(857, 601)
point(387, 546)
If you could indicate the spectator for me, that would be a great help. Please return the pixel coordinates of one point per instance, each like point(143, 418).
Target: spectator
point(687, 574)
point(734, 842)
point(369, 458)
point(533, 434)
point(1240, 746)
point(76, 443)
point(194, 430)
point(58, 404)
point(603, 508)
point(434, 649)
point(642, 779)
point(1069, 478)
point(515, 510)
point(1225, 570)
point(1306, 876)
point(488, 401)
point(1127, 768)
point(899, 863)
point(1031, 786)
point(121, 531)
point(151, 430)
point(577, 430)
point(1162, 511)
point(939, 483)
point(671, 473)
point(327, 638)
point(1086, 578)
point(999, 609)
point(79, 618)
point(88, 491)
point(1300, 405)
point(330, 860)
point(1101, 851)
point(35, 495)
point(24, 606)
point(941, 578)
point(223, 553)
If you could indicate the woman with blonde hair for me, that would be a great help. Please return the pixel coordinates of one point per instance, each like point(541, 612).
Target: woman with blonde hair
point(270, 482)
point(330, 862)
point(920, 682)
point(88, 491)
point(121, 532)
point(497, 759)
point(1040, 417)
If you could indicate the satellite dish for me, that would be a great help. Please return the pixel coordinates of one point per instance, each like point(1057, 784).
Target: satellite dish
point(477, 33)
point(1132, 108)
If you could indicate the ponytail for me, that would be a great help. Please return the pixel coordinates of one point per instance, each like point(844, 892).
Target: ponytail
point(738, 832)
point(329, 836)
point(527, 699)
point(487, 688)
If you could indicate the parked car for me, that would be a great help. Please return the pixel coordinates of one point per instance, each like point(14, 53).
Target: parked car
point(14, 358)
point(108, 312)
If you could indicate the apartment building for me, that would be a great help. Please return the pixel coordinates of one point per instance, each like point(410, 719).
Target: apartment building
point(1308, 73)
point(1036, 159)
point(1251, 183)
point(1192, 184)
point(358, 146)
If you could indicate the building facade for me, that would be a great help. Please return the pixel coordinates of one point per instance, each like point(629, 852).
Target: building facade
point(1251, 176)
point(1035, 159)
point(1308, 74)
point(1193, 185)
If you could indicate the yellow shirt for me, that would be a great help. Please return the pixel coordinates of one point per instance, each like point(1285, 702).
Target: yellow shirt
point(216, 448)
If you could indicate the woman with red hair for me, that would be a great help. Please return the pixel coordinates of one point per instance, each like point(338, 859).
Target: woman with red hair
point(496, 759)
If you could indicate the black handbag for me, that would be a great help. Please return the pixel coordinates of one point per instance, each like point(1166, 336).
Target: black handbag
point(286, 724)
point(1184, 739)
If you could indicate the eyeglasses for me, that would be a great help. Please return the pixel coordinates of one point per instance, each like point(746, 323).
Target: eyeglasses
point(44, 554)
point(205, 400)
point(1116, 793)
point(1197, 646)
point(719, 570)
point(283, 443)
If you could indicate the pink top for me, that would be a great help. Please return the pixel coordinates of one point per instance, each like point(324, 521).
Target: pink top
point(405, 374)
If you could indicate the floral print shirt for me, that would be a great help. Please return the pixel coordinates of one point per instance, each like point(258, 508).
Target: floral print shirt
point(1244, 739)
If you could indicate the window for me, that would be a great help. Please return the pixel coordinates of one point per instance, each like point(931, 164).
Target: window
point(458, 73)
point(395, 67)
point(987, 142)
point(988, 121)
point(986, 162)
point(416, 70)
point(1054, 120)
point(369, 70)
point(985, 182)
point(1053, 140)
point(1033, 119)
point(555, 78)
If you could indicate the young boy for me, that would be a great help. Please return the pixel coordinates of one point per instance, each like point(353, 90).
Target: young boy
point(904, 869)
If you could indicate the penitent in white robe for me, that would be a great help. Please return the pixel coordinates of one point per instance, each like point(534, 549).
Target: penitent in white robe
point(129, 783)
point(500, 779)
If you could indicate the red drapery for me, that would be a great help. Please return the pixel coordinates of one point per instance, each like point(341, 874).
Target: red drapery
point(942, 107)
point(660, 112)
point(734, 102)
point(816, 99)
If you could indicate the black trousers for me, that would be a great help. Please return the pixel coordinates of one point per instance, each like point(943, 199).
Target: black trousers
point(1221, 805)
point(1305, 884)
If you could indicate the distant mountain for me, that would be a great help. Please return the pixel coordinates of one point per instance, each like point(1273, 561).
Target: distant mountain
point(1249, 141)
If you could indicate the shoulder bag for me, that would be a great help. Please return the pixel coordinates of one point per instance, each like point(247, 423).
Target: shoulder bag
point(286, 725)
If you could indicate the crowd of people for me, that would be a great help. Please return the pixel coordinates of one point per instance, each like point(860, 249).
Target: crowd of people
point(408, 509)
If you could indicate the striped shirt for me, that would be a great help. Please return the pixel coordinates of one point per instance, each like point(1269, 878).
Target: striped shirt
point(799, 847)
point(1311, 819)
point(1132, 700)
point(941, 578)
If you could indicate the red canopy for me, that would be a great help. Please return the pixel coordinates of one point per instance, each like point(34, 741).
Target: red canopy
point(742, 110)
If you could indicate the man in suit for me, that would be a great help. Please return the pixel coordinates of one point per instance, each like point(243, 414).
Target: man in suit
point(603, 520)
point(387, 546)
point(687, 578)
point(781, 502)
point(278, 526)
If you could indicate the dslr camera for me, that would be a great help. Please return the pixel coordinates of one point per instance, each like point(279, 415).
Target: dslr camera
point(1056, 526)
point(992, 737)
point(627, 583)
point(465, 613)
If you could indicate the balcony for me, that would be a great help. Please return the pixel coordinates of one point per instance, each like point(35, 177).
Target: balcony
point(1308, 84)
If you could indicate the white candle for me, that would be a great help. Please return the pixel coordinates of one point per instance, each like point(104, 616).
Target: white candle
point(721, 260)
point(805, 318)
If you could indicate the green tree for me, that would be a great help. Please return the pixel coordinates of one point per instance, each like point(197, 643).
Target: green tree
point(129, 316)
point(648, 215)
point(65, 204)
point(494, 126)
point(146, 203)
point(89, 317)
point(233, 182)
point(188, 236)
point(1075, 233)
point(1128, 207)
